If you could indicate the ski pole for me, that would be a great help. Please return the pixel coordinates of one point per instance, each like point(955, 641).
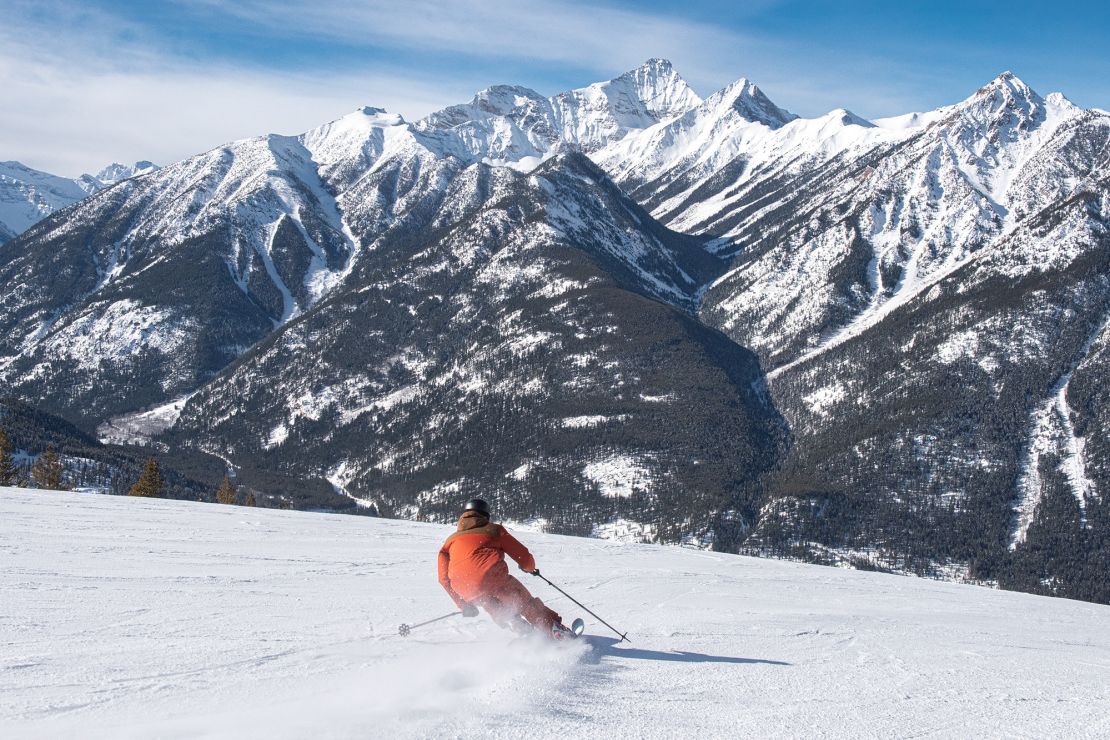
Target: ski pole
point(624, 637)
point(405, 629)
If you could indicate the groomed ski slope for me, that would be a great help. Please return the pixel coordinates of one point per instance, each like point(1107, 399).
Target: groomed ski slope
point(146, 618)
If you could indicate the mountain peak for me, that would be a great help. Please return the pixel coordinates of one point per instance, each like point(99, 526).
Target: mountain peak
point(999, 101)
point(657, 64)
point(663, 91)
point(848, 118)
point(745, 97)
point(115, 172)
point(503, 99)
point(1009, 85)
point(496, 101)
point(377, 116)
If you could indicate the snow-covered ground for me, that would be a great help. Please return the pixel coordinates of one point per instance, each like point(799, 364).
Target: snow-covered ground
point(137, 428)
point(145, 618)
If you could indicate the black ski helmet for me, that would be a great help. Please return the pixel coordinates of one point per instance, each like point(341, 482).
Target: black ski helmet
point(478, 505)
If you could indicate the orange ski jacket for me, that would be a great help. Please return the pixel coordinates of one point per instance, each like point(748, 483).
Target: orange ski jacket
point(472, 560)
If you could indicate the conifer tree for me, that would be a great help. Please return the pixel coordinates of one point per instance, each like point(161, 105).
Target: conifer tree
point(150, 483)
point(8, 470)
point(249, 500)
point(46, 471)
point(226, 493)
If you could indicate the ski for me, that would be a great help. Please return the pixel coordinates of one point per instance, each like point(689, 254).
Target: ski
point(559, 632)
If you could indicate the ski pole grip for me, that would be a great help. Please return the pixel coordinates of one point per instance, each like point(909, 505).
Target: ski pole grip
point(535, 571)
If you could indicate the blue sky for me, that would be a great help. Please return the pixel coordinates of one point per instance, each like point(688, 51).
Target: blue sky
point(89, 82)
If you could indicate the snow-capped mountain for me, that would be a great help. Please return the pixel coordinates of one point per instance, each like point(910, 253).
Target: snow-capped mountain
point(384, 275)
point(223, 256)
point(555, 301)
point(519, 127)
point(922, 308)
point(523, 335)
point(860, 231)
point(115, 172)
point(28, 195)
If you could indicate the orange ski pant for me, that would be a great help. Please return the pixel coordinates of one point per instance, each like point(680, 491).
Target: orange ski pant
point(505, 597)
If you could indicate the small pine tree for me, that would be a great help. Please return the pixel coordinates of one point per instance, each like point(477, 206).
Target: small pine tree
point(46, 471)
point(8, 470)
point(150, 483)
point(249, 500)
point(226, 493)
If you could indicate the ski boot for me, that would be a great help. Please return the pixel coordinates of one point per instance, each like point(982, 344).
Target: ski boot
point(521, 626)
point(560, 631)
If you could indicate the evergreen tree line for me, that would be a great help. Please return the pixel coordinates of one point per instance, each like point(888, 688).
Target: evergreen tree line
point(48, 472)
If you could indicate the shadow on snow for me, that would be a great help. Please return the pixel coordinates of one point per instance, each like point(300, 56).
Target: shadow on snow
point(608, 646)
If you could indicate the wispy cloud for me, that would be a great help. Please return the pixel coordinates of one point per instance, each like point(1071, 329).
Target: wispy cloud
point(604, 40)
point(69, 122)
point(577, 34)
point(94, 89)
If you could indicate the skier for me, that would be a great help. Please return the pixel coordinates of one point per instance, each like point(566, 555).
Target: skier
point(472, 570)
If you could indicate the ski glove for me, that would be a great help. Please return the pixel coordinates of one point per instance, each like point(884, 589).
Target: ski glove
point(469, 610)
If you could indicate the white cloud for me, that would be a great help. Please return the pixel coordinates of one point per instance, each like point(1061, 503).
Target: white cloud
point(84, 88)
point(582, 35)
point(607, 40)
point(69, 121)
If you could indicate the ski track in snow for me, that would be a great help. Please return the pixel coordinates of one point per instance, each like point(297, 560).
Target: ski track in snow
point(133, 618)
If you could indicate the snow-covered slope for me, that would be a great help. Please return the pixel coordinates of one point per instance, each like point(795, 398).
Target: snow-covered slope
point(27, 195)
point(128, 618)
